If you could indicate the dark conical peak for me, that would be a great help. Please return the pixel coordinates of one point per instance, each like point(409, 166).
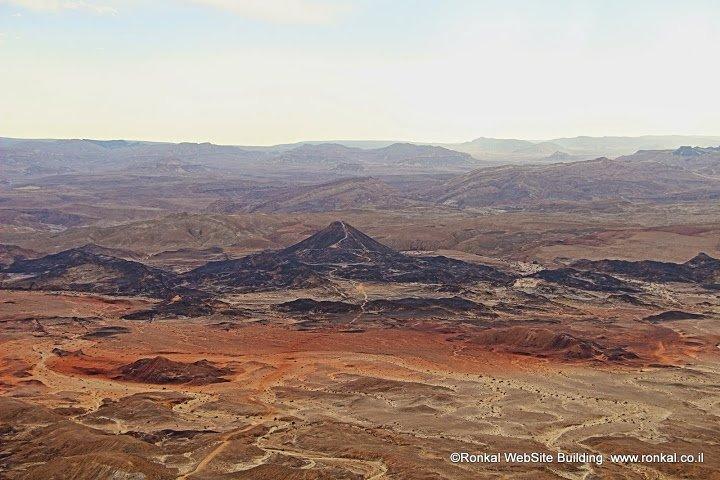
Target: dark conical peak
point(339, 241)
point(702, 259)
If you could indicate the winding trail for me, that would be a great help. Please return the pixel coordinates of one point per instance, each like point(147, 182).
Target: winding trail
point(360, 288)
point(225, 440)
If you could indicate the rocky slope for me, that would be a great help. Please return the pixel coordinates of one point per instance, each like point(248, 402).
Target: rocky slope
point(702, 269)
point(640, 177)
point(84, 270)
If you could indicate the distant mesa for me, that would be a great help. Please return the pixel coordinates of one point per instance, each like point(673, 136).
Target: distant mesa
point(409, 154)
point(394, 155)
point(326, 153)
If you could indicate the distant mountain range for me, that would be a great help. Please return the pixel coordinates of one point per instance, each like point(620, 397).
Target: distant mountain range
point(21, 158)
point(335, 177)
point(510, 149)
point(599, 146)
point(33, 158)
point(578, 147)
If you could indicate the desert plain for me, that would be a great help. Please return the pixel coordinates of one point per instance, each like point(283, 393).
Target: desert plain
point(188, 324)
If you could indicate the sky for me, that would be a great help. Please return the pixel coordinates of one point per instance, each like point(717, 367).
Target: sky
point(261, 72)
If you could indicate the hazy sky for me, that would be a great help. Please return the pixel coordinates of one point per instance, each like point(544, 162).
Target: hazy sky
point(274, 71)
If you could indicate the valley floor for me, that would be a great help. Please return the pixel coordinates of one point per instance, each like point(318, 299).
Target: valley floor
point(337, 401)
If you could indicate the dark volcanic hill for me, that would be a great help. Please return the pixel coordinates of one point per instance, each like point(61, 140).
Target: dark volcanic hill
point(84, 270)
point(585, 280)
point(340, 243)
point(451, 304)
point(702, 269)
point(339, 251)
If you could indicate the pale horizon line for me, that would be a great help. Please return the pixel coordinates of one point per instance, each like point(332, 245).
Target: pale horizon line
point(340, 140)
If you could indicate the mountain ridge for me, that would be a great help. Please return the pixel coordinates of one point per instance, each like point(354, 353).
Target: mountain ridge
point(647, 175)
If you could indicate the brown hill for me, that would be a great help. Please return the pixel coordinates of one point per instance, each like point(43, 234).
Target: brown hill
point(48, 445)
point(702, 160)
point(545, 342)
point(162, 370)
point(179, 231)
point(365, 193)
point(601, 179)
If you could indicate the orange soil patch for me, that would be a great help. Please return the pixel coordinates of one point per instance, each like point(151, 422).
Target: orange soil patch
point(269, 355)
point(288, 353)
